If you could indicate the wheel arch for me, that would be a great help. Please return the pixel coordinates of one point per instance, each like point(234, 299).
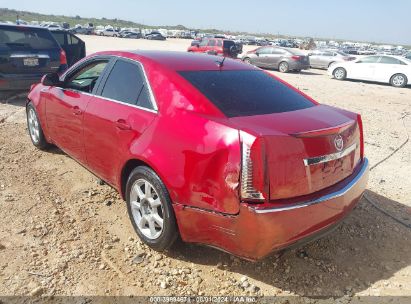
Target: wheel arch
point(126, 170)
point(406, 77)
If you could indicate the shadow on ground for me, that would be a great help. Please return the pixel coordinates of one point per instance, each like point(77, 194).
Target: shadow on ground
point(368, 247)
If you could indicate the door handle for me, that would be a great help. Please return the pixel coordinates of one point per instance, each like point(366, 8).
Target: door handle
point(122, 125)
point(77, 110)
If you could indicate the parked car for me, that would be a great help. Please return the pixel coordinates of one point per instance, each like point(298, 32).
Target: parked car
point(185, 140)
point(110, 32)
point(82, 30)
point(155, 36)
point(74, 47)
point(26, 54)
point(408, 56)
point(322, 59)
point(130, 34)
point(394, 70)
point(216, 46)
point(283, 59)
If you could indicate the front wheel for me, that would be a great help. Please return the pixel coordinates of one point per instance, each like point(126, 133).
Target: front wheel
point(399, 80)
point(35, 130)
point(150, 209)
point(283, 67)
point(340, 73)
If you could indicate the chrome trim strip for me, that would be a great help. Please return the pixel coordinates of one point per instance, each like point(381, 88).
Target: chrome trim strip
point(321, 199)
point(96, 56)
point(28, 55)
point(326, 158)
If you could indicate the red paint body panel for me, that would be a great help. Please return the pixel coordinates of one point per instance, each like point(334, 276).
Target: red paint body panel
point(197, 152)
point(253, 235)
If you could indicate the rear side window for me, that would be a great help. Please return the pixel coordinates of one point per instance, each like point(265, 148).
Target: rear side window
point(390, 60)
point(126, 84)
point(246, 93)
point(26, 37)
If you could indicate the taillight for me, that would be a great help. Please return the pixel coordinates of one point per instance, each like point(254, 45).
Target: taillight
point(254, 185)
point(63, 57)
point(295, 58)
point(359, 120)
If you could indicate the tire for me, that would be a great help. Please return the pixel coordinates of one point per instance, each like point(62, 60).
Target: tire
point(35, 130)
point(283, 67)
point(340, 74)
point(399, 80)
point(147, 214)
point(247, 60)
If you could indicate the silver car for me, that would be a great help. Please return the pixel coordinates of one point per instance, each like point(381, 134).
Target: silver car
point(323, 59)
point(283, 59)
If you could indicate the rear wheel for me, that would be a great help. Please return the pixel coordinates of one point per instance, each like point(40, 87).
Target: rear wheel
point(283, 67)
point(247, 60)
point(399, 80)
point(150, 210)
point(340, 73)
point(35, 130)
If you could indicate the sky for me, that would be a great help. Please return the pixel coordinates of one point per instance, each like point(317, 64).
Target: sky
point(377, 21)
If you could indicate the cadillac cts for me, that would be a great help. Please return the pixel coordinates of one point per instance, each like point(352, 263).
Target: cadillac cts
point(211, 149)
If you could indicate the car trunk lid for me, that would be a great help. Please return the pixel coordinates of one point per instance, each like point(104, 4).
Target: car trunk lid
point(306, 150)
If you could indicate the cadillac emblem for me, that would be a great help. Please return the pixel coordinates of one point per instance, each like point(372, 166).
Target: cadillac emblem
point(339, 142)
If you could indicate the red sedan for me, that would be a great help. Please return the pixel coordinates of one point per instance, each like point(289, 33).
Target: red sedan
point(216, 151)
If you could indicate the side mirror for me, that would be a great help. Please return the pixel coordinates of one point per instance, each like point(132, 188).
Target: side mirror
point(51, 79)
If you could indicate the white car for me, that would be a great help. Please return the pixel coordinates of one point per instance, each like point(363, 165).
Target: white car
point(394, 70)
point(107, 32)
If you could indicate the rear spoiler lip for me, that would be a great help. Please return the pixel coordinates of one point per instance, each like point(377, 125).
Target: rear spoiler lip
point(326, 131)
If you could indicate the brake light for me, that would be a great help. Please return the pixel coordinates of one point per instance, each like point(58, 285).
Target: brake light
point(359, 121)
point(63, 57)
point(296, 58)
point(254, 186)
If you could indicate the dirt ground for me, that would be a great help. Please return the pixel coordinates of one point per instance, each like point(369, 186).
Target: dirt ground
point(61, 233)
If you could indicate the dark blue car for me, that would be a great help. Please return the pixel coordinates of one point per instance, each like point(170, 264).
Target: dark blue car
point(26, 54)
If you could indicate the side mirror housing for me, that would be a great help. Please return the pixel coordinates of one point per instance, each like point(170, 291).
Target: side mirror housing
point(51, 79)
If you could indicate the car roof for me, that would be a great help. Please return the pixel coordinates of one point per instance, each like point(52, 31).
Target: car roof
point(183, 61)
point(4, 25)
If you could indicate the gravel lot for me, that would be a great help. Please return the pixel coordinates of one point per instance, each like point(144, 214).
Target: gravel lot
point(61, 233)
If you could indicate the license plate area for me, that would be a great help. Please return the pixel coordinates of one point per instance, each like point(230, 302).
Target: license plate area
point(31, 62)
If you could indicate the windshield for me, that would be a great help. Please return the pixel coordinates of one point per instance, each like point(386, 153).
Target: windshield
point(246, 93)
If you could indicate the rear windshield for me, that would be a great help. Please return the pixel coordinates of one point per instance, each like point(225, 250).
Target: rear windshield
point(32, 38)
point(246, 93)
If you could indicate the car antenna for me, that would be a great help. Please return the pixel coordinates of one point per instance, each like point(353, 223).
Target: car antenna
point(220, 63)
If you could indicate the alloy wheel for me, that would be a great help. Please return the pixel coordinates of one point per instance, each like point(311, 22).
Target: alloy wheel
point(33, 125)
point(398, 80)
point(283, 67)
point(147, 209)
point(339, 74)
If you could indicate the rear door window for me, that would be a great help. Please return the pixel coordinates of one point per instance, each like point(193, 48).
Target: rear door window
point(60, 37)
point(26, 37)
point(246, 93)
point(126, 83)
point(370, 59)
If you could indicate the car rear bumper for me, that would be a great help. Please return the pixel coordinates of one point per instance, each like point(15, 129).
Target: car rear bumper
point(254, 233)
point(295, 65)
point(16, 82)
